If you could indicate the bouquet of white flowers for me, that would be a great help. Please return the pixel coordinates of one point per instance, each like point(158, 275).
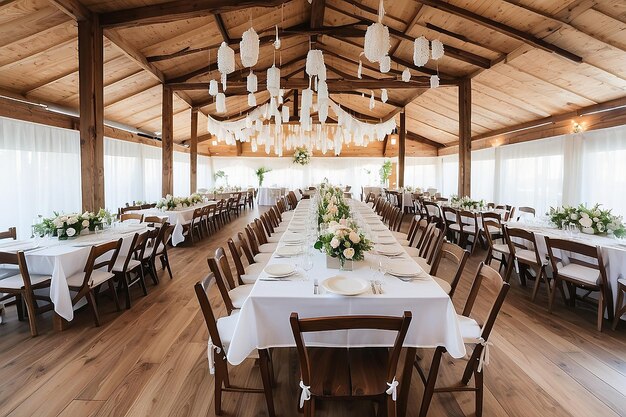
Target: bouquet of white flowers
point(466, 203)
point(70, 225)
point(169, 202)
point(301, 156)
point(343, 242)
point(332, 205)
point(98, 219)
point(590, 220)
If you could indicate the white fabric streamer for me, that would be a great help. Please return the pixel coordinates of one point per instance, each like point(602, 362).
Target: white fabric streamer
point(393, 389)
point(211, 348)
point(483, 360)
point(305, 395)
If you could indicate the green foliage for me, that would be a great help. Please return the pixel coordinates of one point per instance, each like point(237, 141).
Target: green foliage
point(385, 171)
point(260, 174)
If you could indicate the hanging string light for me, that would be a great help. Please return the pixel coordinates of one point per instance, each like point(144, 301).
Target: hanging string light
point(273, 80)
point(421, 51)
point(252, 82)
point(437, 51)
point(251, 100)
point(314, 62)
point(225, 59)
point(377, 42)
point(372, 100)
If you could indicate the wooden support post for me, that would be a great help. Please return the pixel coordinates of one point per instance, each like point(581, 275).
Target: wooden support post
point(167, 141)
point(465, 137)
point(295, 114)
point(193, 151)
point(401, 148)
point(91, 124)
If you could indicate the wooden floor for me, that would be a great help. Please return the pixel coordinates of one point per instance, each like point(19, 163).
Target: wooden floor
point(151, 360)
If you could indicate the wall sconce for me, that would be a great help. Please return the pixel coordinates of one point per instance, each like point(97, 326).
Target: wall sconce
point(578, 127)
point(213, 143)
point(393, 138)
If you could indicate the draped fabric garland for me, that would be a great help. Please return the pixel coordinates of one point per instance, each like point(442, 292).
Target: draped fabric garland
point(280, 137)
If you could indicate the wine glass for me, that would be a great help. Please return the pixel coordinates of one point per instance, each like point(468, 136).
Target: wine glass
point(307, 263)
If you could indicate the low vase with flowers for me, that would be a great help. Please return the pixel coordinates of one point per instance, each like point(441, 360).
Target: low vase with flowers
point(343, 244)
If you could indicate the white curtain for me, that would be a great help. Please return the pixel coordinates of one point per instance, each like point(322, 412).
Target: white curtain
point(40, 173)
point(423, 172)
point(356, 172)
point(449, 175)
point(182, 174)
point(483, 174)
point(152, 173)
point(205, 172)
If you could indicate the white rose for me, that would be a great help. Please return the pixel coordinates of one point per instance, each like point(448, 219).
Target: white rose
point(600, 227)
point(334, 243)
point(595, 219)
point(348, 253)
point(354, 237)
point(588, 230)
point(72, 220)
point(585, 221)
point(70, 232)
point(85, 223)
point(573, 216)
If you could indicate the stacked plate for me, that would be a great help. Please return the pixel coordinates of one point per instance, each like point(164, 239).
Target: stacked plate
point(389, 250)
point(278, 271)
point(293, 239)
point(406, 270)
point(288, 251)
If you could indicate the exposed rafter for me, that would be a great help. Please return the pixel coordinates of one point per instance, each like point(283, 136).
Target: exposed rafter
point(421, 139)
point(74, 9)
point(502, 28)
point(178, 10)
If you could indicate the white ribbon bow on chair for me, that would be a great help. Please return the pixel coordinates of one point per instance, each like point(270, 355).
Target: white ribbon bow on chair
point(306, 393)
point(211, 355)
point(393, 389)
point(484, 355)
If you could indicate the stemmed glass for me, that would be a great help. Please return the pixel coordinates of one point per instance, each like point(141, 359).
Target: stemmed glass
point(307, 262)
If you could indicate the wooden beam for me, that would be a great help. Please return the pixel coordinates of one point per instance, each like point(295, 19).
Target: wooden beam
point(465, 137)
point(318, 7)
point(385, 143)
point(401, 148)
point(421, 139)
point(222, 27)
point(460, 37)
point(134, 54)
point(91, 122)
point(178, 10)
point(239, 147)
point(296, 112)
point(333, 85)
point(167, 141)
point(193, 152)
point(502, 28)
point(74, 9)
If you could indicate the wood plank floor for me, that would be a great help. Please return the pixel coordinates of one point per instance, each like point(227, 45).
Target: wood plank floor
point(151, 360)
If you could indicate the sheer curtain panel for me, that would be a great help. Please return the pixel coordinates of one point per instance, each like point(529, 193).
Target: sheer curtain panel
point(182, 176)
point(40, 173)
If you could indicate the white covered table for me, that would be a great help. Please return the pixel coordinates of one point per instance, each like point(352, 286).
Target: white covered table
point(178, 218)
point(267, 196)
point(264, 317)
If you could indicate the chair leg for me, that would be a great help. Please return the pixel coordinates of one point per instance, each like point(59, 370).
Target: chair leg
point(538, 277)
point(619, 310)
point(429, 389)
point(600, 310)
point(267, 383)
point(32, 314)
point(556, 283)
point(166, 260)
point(218, 395)
point(114, 294)
point(142, 281)
point(19, 305)
point(91, 300)
point(478, 379)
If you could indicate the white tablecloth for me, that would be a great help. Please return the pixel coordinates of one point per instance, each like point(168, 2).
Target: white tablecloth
point(63, 258)
point(613, 253)
point(267, 196)
point(176, 217)
point(264, 318)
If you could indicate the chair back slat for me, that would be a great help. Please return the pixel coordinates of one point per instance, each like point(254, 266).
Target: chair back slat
point(457, 256)
point(131, 216)
point(221, 285)
point(11, 233)
point(202, 288)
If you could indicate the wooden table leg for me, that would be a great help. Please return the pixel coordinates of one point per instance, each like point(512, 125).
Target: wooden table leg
point(405, 384)
point(265, 363)
point(59, 323)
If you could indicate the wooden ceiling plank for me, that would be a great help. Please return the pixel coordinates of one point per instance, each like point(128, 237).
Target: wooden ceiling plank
point(460, 37)
point(74, 9)
point(30, 57)
point(502, 28)
point(178, 10)
point(28, 24)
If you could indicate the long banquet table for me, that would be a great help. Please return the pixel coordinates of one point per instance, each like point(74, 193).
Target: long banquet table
point(264, 317)
point(178, 218)
point(63, 258)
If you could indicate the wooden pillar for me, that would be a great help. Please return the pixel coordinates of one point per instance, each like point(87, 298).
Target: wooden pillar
point(401, 148)
point(465, 137)
point(167, 141)
point(295, 114)
point(193, 150)
point(91, 124)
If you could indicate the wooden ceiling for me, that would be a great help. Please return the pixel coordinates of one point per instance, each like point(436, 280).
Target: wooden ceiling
point(528, 59)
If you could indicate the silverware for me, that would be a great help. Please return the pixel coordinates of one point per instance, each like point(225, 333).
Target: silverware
point(373, 287)
point(315, 287)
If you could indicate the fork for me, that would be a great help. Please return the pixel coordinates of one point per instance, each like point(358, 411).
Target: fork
point(315, 288)
point(373, 287)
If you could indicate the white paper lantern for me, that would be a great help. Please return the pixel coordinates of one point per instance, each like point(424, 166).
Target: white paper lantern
point(377, 42)
point(421, 52)
point(434, 81)
point(314, 62)
point(251, 100)
point(224, 82)
point(254, 145)
point(225, 59)
point(385, 64)
point(360, 70)
point(273, 80)
point(251, 82)
point(220, 103)
point(406, 75)
point(372, 100)
point(322, 74)
point(322, 111)
point(436, 49)
point(285, 114)
point(307, 99)
point(383, 95)
point(213, 88)
point(322, 90)
point(249, 48)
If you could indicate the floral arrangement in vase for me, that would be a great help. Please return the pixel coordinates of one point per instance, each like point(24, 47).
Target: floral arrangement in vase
point(195, 198)
point(301, 156)
point(466, 203)
point(593, 221)
point(344, 242)
point(98, 219)
point(332, 205)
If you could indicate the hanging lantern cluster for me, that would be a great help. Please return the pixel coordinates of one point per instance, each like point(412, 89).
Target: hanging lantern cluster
point(423, 51)
point(377, 41)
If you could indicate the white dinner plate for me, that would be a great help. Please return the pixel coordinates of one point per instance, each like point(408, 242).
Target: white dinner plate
point(379, 228)
point(343, 285)
point(16, 246)
point(293, 238)
point(385, 240)
point(389, 250)
point(288, 251)
point(404, 269)
point(279, 270)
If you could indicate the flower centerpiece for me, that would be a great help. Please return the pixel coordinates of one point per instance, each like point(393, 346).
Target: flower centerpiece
point(344, 242)
point(332, 205)
point(98, 219)
point(589, 220)
point(466, 203)
point(301, 156)
point(195, 198)
point(69, 225)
